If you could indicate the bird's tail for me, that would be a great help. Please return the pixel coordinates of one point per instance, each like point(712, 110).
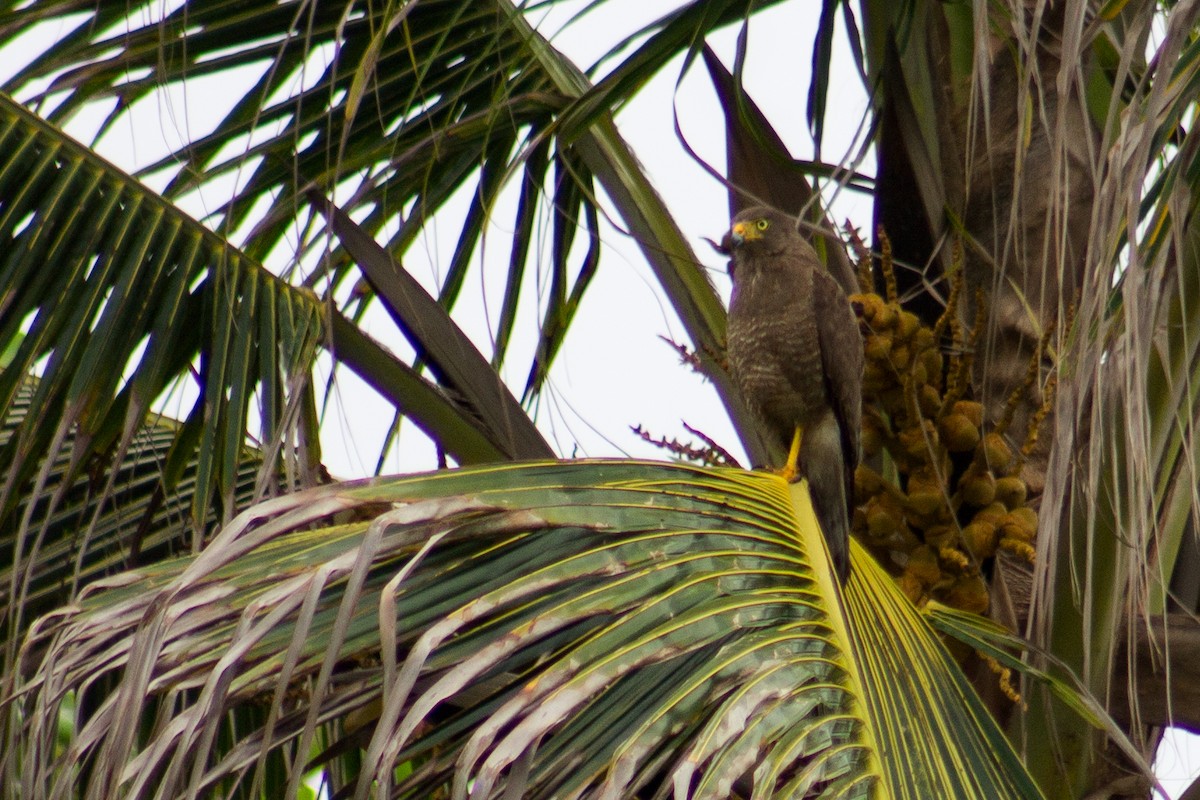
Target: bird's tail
point(824, 464)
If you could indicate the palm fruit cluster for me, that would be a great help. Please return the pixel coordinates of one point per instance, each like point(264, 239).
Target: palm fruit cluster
point(939, 492)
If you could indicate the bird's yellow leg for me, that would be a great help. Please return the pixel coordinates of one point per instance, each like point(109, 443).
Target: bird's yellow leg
point(790, 470)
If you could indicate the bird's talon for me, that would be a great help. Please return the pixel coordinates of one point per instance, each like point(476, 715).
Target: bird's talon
point(790, 468)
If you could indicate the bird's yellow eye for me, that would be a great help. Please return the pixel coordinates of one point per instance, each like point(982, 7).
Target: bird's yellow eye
point(762, 224)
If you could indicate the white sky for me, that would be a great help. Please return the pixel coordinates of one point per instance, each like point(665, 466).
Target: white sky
point(613, 371)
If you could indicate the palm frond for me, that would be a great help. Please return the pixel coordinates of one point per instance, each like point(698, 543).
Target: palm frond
point(114, 298)
point(403, 107)
point(440, 342)
point(115, 302)
point(113, 517)
point(525, 610)
point(1123, 472)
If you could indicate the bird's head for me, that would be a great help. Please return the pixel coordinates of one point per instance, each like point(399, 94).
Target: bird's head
point(759, 231)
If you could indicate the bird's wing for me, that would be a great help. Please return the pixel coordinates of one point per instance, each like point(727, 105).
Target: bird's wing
point(841, 360)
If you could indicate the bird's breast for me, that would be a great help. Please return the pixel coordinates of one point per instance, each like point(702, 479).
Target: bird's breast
point(776, 362)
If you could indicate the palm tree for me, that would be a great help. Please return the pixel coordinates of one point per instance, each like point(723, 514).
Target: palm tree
point(206, 611)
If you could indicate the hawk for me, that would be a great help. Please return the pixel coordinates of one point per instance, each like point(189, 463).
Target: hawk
point(796, 355)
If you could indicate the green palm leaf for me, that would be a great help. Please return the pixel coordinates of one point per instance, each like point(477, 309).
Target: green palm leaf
point(153, 296)
point(115, 302)
point(114, 298)
point(592, 629)
point(111, 517)
point(404, 107)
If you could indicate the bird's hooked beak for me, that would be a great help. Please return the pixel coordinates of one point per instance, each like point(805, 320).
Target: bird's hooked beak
point(737, 234)
point(735, 237)
point(742, 232)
